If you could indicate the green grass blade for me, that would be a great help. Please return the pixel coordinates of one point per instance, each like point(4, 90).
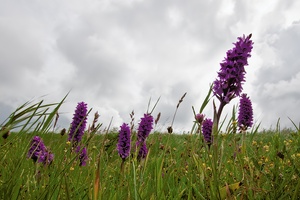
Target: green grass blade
point(46, 125)
point(207, 99)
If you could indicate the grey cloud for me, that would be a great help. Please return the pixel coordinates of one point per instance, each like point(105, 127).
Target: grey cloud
point(20, 52)
point(94, 66)
point(277, 86)
point(286, 50)
point(5, 111)
point(149, 21)
point(116, 55)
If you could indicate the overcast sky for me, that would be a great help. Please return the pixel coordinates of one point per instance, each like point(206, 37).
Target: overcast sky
point(117, 54)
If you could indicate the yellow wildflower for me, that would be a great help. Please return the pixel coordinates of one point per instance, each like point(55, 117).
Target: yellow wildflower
point(266, 148)
point(246, 158)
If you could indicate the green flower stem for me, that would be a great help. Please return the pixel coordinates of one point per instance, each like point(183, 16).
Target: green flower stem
point(215, 152)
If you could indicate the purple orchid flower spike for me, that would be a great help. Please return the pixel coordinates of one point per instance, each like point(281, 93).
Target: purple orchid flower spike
point(231, 76)
point(245, 118)
point(207, 131)
point(38, 151)
point(123, 145)
point(78, 124)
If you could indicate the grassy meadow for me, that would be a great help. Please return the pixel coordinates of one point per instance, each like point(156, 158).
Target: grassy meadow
point(177, 166)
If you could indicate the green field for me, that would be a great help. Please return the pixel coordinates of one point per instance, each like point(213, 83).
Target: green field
point(177, 167)
point(249, 165)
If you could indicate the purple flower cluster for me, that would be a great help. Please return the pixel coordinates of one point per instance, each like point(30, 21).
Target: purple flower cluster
point(38, 151)
point(144, 129)
point(231, 76)
point(123, 145)
point(245, 118)
point(207, 130)
point(78, 124)
point(83, 156)
point(143, 151)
